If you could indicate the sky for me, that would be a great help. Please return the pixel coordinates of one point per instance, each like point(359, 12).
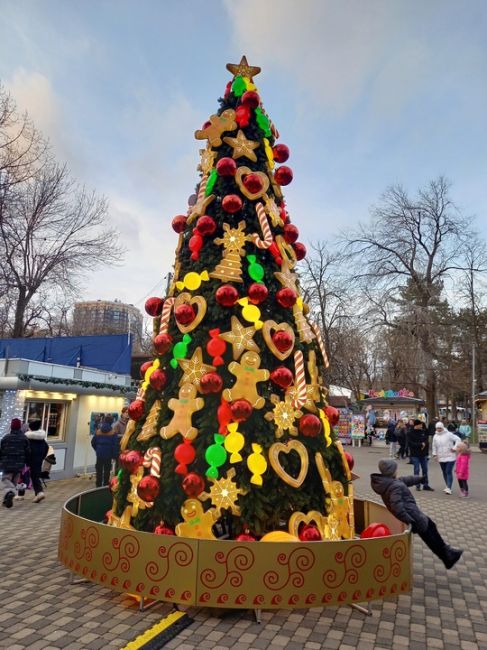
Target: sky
point(365, 94)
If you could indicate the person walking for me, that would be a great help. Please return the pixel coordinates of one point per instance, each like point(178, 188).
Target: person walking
point(444, 443)
point(400, 502)
point(400, 433)
point(119, 430)
point(14, 455)
point(391, 439)
point(418, 451)
point(462, 467)
point(464, 430)
point(38, 451)
point(104, 442)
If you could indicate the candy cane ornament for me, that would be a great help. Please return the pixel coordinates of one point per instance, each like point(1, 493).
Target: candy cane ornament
point(266, 230)
point(152, 459)
point(166, 315)
point(321, 345)
point(300, 380)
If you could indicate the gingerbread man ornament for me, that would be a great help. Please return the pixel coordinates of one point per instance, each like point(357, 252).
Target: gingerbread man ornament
point(197, 523)
point(248, 376)
point(218, 125)
point(183, 408)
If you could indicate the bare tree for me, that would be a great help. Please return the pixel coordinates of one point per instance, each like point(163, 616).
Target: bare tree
point(52, 231)
point(406, 254)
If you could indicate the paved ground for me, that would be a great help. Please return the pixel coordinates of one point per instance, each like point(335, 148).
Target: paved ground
point(42, 610)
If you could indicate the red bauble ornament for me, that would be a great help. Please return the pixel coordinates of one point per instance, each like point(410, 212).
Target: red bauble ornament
point(253, 183)
point(136, 409)
point(333, 415)
point(144, 367)
point(113, 483)
point(286, 297)
point(283, 175)
point(226, 167)
point(184, 314)
point(158, 379)
point(375, 530)
point(350, 460)
point(241, 410)
point(309, 425)
point(242, 115)
point(228, 89)
point(179, 223)
point(131, 460)
point(161, 529)
point(282, 340)
point(257, 293)
point(232, 203)
point(226, 295)
point(282, 377)
point(211, 382)
point(148, 488)
point(185, 455)
point(153, 306)
point(291, 233)
point(193, 484)
point(245, 537)
point(216, 347)
point(195, 244)
point(281, 153)
point(300, 250)
point(206, 225)
point(162, 343)
point(310, 534)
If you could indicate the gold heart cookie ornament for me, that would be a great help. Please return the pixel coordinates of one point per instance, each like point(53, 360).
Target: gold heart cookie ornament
point(285, 448)
point(199, 305)
point(269, 328)
point(244, 171)
point(313, 517)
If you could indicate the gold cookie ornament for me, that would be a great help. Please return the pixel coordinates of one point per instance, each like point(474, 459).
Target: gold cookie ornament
point(242, 147)
point(270, 327)
point(184, 407)
point(248, 375)
point(218, 125)
point(312, 517)
point(285, 448)
point(195, 301)
point(244, 171)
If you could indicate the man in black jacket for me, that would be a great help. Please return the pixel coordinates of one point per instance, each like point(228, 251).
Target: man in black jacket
point(14, 454)
point(418, 444)
point(398, 499)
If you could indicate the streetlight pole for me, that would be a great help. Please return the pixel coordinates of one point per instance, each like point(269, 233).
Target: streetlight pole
point(474, 391)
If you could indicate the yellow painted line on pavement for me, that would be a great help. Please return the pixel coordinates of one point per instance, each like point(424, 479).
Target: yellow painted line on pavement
point(154, 631)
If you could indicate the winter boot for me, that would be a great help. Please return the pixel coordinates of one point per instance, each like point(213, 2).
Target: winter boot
point(8, 499)
point(451, 556)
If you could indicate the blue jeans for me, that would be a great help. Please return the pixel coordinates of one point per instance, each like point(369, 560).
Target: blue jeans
point(447, 469)
point(420, 461)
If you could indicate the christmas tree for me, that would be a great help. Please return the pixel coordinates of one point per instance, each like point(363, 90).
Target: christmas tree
point(231, 433)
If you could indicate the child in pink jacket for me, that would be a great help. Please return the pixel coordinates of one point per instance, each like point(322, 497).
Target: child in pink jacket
point(462, 467)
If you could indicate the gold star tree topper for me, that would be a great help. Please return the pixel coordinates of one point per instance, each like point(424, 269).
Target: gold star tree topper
point(243, 69)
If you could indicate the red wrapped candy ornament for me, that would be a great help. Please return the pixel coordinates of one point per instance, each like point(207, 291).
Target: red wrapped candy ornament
point(148, 488)
point(195, 244)
point(216, 347)
point(185, 455)
point(242, 115)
